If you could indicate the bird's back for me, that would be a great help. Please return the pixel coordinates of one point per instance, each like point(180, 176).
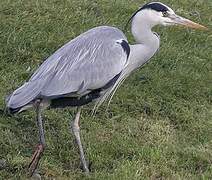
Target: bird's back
point(85, 63)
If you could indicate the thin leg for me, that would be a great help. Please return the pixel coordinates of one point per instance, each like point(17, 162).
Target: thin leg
point(41, 146)
point(76, 130)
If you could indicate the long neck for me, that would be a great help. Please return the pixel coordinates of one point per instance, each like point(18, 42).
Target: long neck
point(141, 30)
point(147, 43)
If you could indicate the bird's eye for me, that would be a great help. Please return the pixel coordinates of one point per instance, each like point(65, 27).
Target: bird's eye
point(165, 14)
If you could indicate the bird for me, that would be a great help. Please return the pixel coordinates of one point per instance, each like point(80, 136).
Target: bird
point(90, 68)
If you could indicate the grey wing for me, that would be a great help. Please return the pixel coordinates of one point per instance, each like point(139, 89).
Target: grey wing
point(87, 62)
point(92, 61)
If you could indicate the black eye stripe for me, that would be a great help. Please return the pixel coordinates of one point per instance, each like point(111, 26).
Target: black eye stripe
point(155, 6)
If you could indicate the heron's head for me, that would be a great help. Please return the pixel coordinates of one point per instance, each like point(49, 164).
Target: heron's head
point(156, 13)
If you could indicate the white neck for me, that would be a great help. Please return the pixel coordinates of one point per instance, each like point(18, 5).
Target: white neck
point(147, 43)
point(141, 30)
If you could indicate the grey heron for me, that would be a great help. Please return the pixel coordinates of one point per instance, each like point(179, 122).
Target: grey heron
point(90, 68)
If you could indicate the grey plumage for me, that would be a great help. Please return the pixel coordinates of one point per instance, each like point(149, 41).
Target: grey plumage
point(91, 67)
point(86, 63)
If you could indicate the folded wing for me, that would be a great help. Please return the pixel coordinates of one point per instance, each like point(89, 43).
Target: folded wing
point(86, 63)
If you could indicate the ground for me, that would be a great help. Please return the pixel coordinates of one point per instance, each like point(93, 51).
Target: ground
point(159, 123)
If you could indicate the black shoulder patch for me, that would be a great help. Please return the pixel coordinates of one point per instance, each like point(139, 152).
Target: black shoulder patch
point(125, 46)
point(155, 6)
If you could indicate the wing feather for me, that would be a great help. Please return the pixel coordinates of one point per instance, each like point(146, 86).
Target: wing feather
point(92, 60)
point(85, 63)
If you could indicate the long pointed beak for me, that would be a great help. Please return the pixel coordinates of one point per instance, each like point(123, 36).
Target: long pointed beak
point(178, 20)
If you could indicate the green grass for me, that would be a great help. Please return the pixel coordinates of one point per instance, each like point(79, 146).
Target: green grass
point(159, 124)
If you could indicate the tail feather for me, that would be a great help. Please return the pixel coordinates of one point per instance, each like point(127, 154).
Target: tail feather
point(23, 96)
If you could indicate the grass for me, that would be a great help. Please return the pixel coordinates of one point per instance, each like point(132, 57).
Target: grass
point(158, 125)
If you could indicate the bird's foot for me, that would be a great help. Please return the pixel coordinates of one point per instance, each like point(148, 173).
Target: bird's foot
point(86, 167)
point(35, 159)
point(36, 176)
